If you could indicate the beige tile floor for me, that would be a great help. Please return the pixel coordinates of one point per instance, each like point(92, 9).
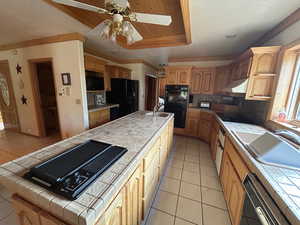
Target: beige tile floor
point(190, 192)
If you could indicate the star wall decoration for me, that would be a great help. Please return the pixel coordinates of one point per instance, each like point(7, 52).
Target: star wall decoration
point(19, 69)
point(24, 100)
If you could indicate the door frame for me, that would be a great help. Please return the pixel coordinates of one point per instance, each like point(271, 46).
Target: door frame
point(18, 129)
point(36, 94)
point(147, 87)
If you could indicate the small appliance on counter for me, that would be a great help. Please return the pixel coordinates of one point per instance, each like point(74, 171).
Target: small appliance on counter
point(177, 102)
point(71, 172)
point(205, 105)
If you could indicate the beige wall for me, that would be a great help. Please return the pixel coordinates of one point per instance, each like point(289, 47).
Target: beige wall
point(66, 57)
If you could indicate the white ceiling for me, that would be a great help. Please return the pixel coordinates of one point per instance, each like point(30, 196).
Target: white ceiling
point(211, 21)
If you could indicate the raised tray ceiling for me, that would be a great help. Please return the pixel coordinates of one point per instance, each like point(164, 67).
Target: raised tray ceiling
point(178, 33)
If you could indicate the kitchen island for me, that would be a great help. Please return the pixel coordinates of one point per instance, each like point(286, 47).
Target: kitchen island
point(123, 192)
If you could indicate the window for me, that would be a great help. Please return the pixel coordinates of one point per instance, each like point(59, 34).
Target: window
point(293, 104)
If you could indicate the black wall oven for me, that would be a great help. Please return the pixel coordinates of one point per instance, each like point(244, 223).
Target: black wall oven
point(259, 208)
point(177, 98)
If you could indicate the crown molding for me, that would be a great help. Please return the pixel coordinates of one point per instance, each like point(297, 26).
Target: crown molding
point(283, 25)
point(201, 58)
point(45, 40)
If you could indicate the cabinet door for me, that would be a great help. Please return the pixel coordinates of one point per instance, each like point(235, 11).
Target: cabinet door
point(125, 73)
point(226, 170)
point(184, 77)
point(207, 82)
point(170, 135)
point(214, 143)
point(47, 219)
point(260, 87)
point(235, 72)
point(116, 212)
point(236, 199)
point(172, 77)
point(244, 68)
point(196, 82)
point(192, 127)
point(204, 129)
point(27, 213)
point(134, 195)
point(162, 85)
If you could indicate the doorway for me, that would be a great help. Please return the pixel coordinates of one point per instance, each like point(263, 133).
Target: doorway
point(150, 92)
point(45, 97)
point(8, 107)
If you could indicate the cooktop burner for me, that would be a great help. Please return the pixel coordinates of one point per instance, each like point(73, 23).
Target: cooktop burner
point(72, 171)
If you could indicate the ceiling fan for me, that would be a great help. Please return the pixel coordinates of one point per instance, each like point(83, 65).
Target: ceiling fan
point(122, 16)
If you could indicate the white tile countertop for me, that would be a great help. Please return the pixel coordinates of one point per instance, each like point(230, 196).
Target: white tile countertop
point(282, 184)
point(136, 132)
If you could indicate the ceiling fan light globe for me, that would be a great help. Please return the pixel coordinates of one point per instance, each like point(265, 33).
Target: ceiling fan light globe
point(117, 18)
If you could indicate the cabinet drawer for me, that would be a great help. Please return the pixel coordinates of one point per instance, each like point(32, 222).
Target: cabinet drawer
point(236, 160)
point(152, 153)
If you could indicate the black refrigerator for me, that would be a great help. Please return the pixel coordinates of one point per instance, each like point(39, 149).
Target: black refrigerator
point(177, 98)
point(125, 93)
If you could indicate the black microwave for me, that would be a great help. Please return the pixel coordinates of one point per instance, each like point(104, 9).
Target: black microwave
point(94, 81)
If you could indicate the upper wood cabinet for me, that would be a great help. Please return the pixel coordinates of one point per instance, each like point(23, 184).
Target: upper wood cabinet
point(202, 80)
point(178, 75)
point(93, 63)
point(162, 81)
point(262, 73)
point(118, 72)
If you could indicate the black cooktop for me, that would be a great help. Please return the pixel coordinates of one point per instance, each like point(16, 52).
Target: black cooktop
point(72, 171)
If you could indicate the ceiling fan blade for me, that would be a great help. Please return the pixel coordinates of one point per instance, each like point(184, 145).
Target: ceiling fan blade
point(81, 5)
point(153, 18)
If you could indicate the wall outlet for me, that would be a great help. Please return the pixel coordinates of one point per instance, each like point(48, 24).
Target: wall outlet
point(78, 101)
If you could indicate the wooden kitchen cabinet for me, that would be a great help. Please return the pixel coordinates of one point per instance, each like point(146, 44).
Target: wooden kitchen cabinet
point(204, 130)
point(233, 172)
point(192, 123)
point(202, 80)
point(28, 214)
point(259, 66)
point(134, 198)
point(214, 139)
point(116, 212)
point(162, 81)
point(178, 75)
point(99, 117)
point(236, 198)
point(118, 72)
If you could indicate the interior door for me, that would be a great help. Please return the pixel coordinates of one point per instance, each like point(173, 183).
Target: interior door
point(7, 100)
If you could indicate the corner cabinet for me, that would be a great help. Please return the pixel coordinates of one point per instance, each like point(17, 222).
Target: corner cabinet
point(178, 75)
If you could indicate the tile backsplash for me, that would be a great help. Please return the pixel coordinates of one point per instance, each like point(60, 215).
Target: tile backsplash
point(92, 95)
point(254, 111)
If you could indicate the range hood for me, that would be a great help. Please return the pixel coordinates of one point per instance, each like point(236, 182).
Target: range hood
point(238, 86)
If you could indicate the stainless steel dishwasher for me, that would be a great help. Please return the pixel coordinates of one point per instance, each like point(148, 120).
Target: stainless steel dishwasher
point(259, 208)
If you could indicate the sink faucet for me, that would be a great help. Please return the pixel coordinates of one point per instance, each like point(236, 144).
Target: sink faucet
point(156, 108)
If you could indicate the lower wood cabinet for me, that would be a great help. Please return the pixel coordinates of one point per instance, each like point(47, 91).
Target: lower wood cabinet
point(99, 117)
point(204, 130)
point(231, 181)
point(134, 198)
point(29, 214)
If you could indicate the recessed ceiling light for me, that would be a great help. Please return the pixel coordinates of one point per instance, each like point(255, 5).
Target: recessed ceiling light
point(229, 36)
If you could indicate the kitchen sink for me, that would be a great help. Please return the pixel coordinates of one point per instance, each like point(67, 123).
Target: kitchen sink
point(270, 149)
point(158, 114)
